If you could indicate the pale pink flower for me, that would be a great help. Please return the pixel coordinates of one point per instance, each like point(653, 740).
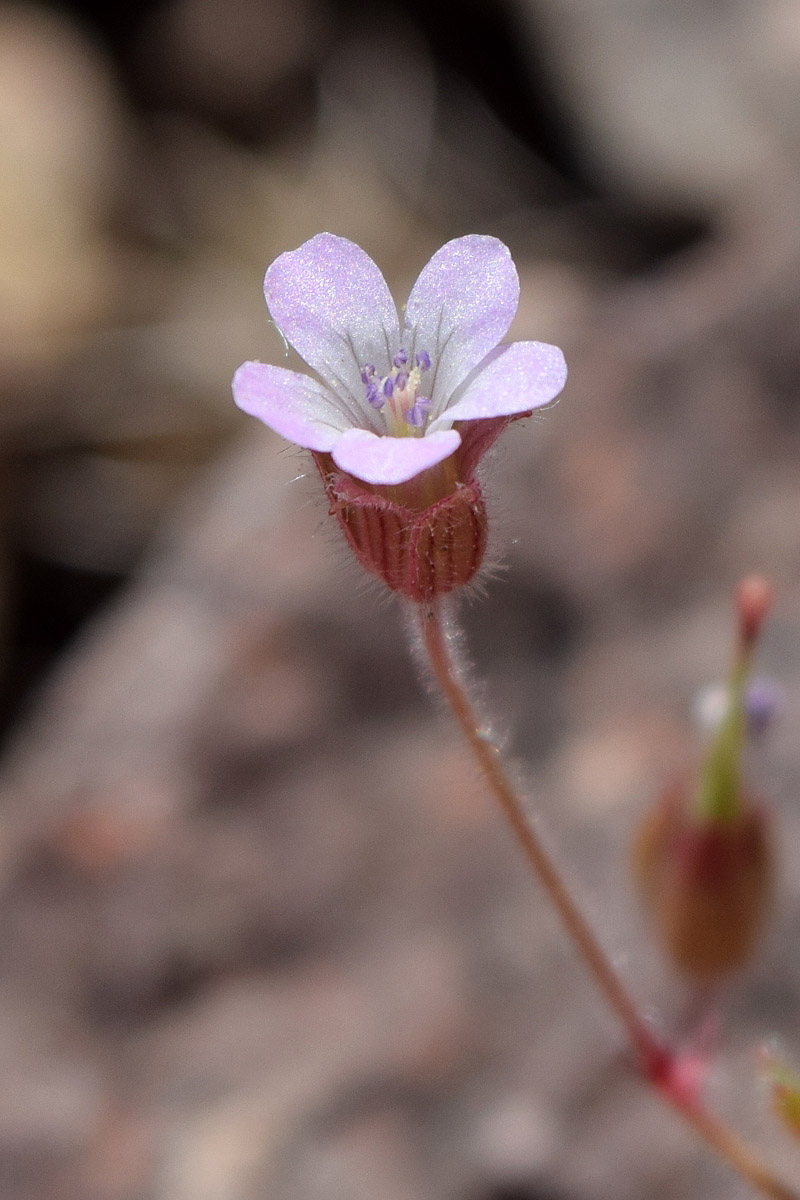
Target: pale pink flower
point(391, 398)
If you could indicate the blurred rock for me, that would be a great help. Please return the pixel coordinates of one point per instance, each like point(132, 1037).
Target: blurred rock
point(658, 94)
point(223, 58)
point(61, 135)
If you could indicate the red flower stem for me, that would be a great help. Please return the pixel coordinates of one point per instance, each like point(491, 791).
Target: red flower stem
point(655, 1059)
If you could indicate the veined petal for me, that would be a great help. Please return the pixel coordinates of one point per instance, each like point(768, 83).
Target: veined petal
point(295, 406)
point(391, 459)
point(459, 309)
point(331, 302)
point(512, 379)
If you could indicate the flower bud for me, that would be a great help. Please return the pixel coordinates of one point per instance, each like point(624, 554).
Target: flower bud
point(702, 858)
point(707, 883)
point(753, 602)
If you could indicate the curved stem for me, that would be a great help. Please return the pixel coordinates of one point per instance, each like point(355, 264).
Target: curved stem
point(656, 1060)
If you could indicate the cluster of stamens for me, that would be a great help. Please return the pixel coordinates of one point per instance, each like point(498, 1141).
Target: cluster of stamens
point(396, 395)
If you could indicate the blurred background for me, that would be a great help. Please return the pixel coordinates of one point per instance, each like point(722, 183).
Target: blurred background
point(262, 934)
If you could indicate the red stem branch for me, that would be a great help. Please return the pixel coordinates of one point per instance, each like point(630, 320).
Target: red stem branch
point(655, 1059)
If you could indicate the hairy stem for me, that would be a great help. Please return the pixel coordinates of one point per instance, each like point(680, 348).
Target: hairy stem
point(656, 1060)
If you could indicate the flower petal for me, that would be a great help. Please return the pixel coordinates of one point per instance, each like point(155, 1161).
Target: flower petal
point(460, 307)
point(294, 405)
point(512, 379)
point(391, 459)
point(331, 302)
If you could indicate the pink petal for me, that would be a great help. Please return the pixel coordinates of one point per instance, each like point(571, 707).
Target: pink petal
point(513, 379)
point(331, 302)
point(460, 307)
point(295, 406)
point(391, 459)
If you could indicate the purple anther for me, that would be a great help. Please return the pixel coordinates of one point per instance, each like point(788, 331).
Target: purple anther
point(416, 415)
point(401, 379)
point(374, 396)
point(423, 360)
point(400, 359)
point(367, 371)
point(388, 386)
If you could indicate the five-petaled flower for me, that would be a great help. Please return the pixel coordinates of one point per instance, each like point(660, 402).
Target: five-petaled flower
point(400, 416)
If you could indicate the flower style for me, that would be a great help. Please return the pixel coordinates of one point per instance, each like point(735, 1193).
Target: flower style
point(400, 416)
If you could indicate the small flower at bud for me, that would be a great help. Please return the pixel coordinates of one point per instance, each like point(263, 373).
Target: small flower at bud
point(763, 700)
